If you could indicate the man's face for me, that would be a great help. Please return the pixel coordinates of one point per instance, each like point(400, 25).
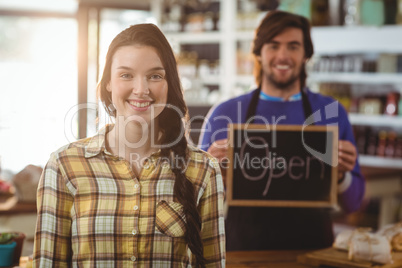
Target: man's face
point(282, 59)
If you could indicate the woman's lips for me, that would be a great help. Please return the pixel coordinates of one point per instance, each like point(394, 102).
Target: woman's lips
point(140, 105)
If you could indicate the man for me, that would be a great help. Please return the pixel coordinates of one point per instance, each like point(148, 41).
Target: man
point(281, 47)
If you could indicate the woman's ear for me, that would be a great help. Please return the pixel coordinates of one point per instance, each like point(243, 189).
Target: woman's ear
point(108, 87)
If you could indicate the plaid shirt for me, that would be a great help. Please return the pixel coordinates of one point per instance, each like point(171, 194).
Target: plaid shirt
point(94, 212)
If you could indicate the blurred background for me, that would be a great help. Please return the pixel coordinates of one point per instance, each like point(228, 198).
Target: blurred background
point(52, 52)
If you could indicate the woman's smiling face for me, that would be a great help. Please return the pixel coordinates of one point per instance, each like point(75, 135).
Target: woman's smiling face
point(138, 86)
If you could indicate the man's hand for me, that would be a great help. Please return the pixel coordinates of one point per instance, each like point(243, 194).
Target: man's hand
point(219, 150)
point(347, 156)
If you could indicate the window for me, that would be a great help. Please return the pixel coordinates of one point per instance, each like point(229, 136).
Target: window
point(38, 74)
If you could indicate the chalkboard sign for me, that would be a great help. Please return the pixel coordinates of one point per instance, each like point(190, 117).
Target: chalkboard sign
point(282, 165)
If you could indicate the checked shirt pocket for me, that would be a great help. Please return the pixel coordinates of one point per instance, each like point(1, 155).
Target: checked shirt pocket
point(170, 219)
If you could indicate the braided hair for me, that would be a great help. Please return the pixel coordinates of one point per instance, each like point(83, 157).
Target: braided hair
point(170, 122)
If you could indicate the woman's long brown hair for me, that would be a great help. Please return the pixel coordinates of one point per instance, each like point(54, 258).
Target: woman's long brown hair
point(170, 123)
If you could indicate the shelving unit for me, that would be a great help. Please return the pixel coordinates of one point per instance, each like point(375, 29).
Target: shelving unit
point(195, 38)
point(375, 120)
point(355, 78)
point(357, 39)
point(380, 162)
point(331, 40)
point(362, 40)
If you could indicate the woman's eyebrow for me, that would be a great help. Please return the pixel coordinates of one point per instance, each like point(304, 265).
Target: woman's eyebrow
point(130, 69)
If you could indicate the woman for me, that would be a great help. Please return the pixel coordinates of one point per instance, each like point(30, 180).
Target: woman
point(136, 193)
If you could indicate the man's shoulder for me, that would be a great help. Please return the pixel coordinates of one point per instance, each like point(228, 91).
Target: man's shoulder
point(328, 103)
point(320, 98)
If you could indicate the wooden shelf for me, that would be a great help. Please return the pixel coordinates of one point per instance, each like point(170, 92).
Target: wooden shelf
point(355, 78)
point(330, 40)
point(380, 162)
point(357, 39)
point(195, 38)
point(376, 120)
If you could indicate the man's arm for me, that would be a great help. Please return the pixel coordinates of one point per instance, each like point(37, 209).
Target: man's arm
point(351, 183)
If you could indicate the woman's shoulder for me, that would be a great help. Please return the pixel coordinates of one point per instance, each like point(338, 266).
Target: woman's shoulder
point(200, 156)
point(76, 148)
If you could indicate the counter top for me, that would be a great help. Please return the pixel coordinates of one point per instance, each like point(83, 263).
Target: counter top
point(13, 206)
point(270, 258)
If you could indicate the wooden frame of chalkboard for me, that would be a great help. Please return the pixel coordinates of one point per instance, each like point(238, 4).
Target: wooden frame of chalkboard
point(282, 165)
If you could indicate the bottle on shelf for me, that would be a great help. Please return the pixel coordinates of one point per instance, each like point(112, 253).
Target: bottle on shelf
point(391, 10)
point(371, 148)
point(351, 10)
point(398, 147)
point(391, 143)
point(399, 13)
point(301, 7)
point(320, 15)
point(382, 142)
point(392, 103)
point(372, 12)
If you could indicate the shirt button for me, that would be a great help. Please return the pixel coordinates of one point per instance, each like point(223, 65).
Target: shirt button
point(133, 258)
point(135, 207)
point(136, 186)
point(134, 232)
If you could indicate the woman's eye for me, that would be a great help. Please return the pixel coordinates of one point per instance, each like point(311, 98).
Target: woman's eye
point(125, 76)
point(156, 77)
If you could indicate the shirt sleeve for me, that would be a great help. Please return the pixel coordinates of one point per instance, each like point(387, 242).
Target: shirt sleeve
point(215, 126)
point(52, 245)
point(212, 217)
point(351, 197)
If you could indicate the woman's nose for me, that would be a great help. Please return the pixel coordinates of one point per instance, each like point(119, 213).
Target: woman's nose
point(140, 86)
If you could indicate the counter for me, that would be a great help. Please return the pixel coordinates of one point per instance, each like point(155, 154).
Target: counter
point(270, 258)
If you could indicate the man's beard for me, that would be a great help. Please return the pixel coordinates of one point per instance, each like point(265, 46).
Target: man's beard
point(282, 85)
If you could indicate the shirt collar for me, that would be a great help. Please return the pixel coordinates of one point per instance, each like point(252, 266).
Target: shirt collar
point(265, 96)
point(97, 143)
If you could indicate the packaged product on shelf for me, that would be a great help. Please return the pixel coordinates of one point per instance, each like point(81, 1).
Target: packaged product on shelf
point(301, 7)
point(351, 9)
point(392, 103)
point(398, 147)
point(387, 63)
point(320, 15)
point(372, 12)
point(360, 134)
point(391, 10)
point(382, 142)
point(370, 105)
point(399, 12)
point(371, 147)
point(391, 144)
